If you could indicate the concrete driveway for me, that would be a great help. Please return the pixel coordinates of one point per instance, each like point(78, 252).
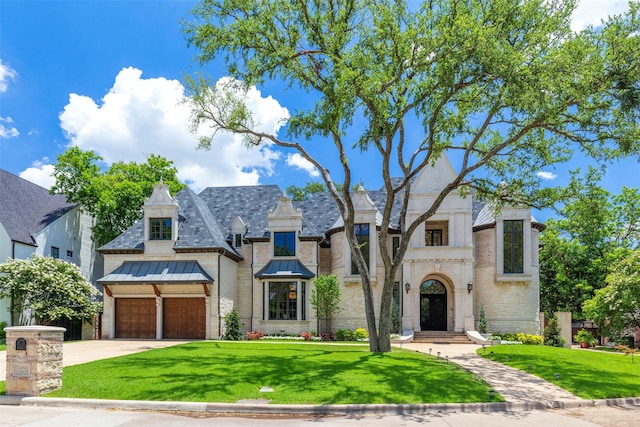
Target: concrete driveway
point(78, 352)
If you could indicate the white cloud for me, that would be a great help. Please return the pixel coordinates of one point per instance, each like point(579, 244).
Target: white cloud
point(6, 73)
point(138, 117)
point(547, 175)
point(40, 173)
point(7, 131)
point(296, 160)
point(592, 12)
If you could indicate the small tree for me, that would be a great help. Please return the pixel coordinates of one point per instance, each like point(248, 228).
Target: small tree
point(552, 333)
point(233, 326)
point(325, 298)
point(483, 326)
point(48, 289)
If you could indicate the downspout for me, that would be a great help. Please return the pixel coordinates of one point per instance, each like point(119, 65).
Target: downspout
point(309, 290)
point(219, 316)
point(252, 289)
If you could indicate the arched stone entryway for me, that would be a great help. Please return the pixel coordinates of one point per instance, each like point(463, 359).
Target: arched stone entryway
point(433, 306)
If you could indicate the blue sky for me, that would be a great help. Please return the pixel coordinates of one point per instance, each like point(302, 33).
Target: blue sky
point(106, 76)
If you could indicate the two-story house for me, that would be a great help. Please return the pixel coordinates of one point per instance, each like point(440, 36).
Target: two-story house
point(34, 222)
point(179, 270)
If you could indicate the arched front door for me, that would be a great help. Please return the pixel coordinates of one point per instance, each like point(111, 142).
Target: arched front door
point(433, 306)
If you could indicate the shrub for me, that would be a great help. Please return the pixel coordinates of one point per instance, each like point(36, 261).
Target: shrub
point(584, 336)
point(233, 327)
point(360, 334)
point(345, 335)
point(306, 335)
point(552, 333)
point(254, 335)
point(529, 339)
point(3, 334)
point(328, 336)
point(482, 321)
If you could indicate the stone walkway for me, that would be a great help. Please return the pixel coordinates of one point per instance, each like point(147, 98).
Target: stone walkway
point(514, 385)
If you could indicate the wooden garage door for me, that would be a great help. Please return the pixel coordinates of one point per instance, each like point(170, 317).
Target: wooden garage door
point(136, 318)
point(184, 318)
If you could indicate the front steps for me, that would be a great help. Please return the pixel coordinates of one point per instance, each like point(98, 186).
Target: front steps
point(441, 337)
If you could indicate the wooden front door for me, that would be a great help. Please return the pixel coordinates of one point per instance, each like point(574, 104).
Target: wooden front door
point(184, 318)
point(136, 318)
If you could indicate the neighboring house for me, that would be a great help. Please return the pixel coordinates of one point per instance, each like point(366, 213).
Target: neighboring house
point(179, 270)
point(32, 221)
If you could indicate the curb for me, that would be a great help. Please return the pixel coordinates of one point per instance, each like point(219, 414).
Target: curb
point(267, 409)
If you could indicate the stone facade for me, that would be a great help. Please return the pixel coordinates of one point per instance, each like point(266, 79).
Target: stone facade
point(262, 252)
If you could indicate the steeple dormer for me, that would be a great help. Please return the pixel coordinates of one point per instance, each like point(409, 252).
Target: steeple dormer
point(160, 220)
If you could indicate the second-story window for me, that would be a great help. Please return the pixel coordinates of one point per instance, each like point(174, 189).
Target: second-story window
point(160, 229)
point(284, 243)
point(513, 247)
point(395, 244)
point(237, 240)
point(362, 236)
point(436, 233)
point(433, 238)
point(55, 252)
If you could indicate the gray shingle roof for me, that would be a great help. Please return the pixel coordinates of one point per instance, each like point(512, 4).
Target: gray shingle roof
point(251, 203)
point(197, 228)
point(206, 218)
point(27, 208)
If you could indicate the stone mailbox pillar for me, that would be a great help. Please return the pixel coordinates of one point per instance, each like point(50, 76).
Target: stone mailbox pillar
point(34, 360)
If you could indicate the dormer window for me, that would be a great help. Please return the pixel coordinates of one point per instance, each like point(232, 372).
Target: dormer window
point(237, 240)
point(160, 229)
point(284, 243)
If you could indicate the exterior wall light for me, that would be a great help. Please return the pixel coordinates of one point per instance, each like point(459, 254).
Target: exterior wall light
point(469, 287)
point(407, 287)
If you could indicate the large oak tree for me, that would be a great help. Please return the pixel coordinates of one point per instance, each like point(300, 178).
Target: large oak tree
point(505, 84)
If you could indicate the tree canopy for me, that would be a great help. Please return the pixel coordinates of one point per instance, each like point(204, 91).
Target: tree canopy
point(507, 86)
point(616, 307)
point(579, 248)
point(113, 197)
point(48, 289)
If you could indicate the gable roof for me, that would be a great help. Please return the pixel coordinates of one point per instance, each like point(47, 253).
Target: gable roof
point(27, 208)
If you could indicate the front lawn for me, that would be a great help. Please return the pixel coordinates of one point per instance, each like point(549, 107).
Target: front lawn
point(587, 374)
point(298, 373)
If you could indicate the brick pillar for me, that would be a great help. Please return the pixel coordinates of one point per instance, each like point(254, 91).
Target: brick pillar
point(34, 360)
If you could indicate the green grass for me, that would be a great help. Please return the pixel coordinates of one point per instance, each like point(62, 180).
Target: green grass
point(587, 374)
point(300, 373)
point(3, 347)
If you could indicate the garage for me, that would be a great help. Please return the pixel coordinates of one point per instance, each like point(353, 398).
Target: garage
point(135, 318)
point(184, 318)
point(170, 293)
